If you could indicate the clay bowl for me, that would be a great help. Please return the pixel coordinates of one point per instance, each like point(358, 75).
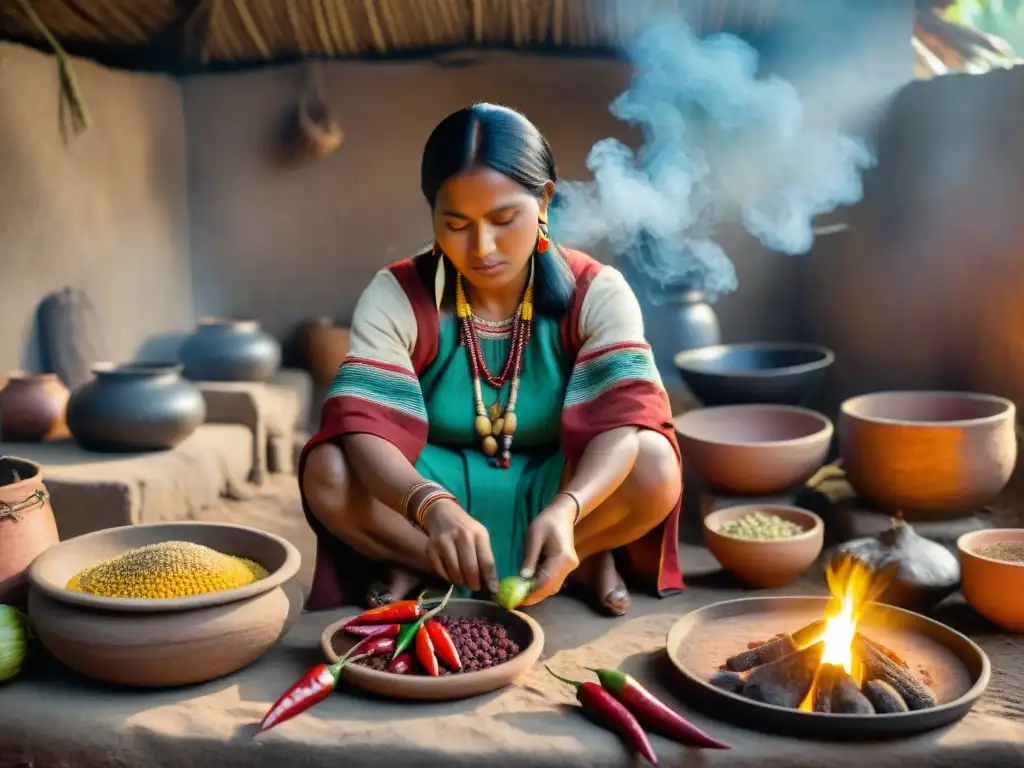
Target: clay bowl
point(765, 564)
point(780, 373)
point(162, 643)
point(526, 632)
point(993, 587)
point(932, 455)
point(753, 450)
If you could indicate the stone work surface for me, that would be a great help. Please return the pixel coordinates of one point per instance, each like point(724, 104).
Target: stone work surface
point(50, 719)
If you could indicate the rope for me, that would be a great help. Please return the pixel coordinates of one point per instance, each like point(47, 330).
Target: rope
point(15, 510)
point(71, 102)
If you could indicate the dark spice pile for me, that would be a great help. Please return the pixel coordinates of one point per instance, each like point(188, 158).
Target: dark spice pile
point(481, 644)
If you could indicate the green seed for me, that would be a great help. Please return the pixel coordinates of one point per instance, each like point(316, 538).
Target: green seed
point(760, 526)
point(512, 591)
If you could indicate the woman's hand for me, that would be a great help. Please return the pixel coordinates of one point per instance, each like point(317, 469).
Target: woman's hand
point(460, 548)
point(550, 536)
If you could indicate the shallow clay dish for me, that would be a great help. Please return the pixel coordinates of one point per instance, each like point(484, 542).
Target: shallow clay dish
point(754, 450)
point(993, 587)
point(931, 455)
point(526, 632)
point(163, 643)
point(770, 563)
point(698, 643)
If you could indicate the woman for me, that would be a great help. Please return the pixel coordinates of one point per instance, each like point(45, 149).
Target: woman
point(499, 411)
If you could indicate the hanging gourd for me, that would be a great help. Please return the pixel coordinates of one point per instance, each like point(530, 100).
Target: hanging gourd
point(321, 134)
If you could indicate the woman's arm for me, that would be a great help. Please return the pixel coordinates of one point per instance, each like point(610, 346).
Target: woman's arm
point(606, 463)
point(381, 468)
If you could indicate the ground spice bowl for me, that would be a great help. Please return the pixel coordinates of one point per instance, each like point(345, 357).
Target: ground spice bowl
point(526, 633)
point(765, 563)
point(993, 587)
point(168, 642)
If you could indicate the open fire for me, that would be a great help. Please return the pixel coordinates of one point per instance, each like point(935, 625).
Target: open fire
point(829, 666)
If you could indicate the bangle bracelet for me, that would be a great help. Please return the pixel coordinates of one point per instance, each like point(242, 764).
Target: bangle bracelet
point(403, 508)
point(577, 502)
point(436, 495)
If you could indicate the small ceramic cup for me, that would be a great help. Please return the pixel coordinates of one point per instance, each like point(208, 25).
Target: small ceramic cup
point(771, 563)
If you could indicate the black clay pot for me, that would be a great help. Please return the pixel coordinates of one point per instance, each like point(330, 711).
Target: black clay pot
point(773, 373)
point(135, 407)
point(224, 349)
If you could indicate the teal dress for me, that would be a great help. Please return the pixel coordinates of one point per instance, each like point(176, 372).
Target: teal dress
point(507, 500)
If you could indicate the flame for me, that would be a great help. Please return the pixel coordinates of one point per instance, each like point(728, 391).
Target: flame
point(852, 584)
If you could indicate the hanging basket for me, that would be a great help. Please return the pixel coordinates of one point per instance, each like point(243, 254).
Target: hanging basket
point(321, 134)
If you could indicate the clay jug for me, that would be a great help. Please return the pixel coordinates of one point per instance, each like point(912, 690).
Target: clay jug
point(27, 527)
point(33, 408)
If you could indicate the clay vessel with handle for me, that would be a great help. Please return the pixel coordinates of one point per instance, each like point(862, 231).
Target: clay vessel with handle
point(27, 527)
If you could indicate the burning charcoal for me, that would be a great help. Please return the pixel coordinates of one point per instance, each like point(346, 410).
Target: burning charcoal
point(879, 666)
point(775, 649)
point(884, 698)
point(727, 681)
point(786, 682)
point(828, 675)
point(847, 698)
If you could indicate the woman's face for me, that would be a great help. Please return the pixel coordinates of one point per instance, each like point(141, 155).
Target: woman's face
point(487, 224)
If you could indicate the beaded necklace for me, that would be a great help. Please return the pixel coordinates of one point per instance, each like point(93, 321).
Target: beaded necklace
point(497, 427)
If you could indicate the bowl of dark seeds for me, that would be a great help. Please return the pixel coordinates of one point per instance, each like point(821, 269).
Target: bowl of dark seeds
point(477, 647)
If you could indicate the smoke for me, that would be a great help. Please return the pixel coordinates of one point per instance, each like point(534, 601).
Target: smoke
point(719, 143)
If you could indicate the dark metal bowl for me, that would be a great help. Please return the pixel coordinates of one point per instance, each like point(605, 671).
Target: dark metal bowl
point(781, 373)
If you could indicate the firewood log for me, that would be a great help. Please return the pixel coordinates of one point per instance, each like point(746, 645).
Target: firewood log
point(727, 681)
point(775, 649)
point(787, 681)
point(878, 666)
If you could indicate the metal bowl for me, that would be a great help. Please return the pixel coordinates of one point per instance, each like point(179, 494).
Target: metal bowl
point(782, 373)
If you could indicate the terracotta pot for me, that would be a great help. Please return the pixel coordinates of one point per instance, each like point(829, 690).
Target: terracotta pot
point(325, 346)
point(33, 407)
point(227, 349)
point(931, 455)
point(27, 527)
point(172, 642)
point(770, 563)
point(753, 450)
point(993, 587)
point(135, 407)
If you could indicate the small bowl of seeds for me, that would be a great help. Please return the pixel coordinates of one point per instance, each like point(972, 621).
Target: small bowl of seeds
point(764, 545)
point(992, 575)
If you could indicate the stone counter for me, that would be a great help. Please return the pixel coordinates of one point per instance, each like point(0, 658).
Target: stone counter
point(53, 720)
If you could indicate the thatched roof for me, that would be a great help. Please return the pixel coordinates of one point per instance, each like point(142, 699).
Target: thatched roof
point(219, 31)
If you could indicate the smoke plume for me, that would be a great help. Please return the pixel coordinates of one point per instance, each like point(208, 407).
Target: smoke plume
point(719, 143)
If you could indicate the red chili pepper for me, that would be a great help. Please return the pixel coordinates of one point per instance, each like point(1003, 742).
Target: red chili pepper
point(313, 687)
point(374, 630)
point(444, 646)
point(409, 631)
point(425, 652)
point(401, 664)
point(400, 612)
point(378, 644)
point(606, 709)
point(652, 713)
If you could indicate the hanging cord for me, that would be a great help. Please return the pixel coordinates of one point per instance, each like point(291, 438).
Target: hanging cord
point(72, 104)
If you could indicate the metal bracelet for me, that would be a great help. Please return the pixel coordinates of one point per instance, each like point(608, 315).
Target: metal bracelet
point(577, 502)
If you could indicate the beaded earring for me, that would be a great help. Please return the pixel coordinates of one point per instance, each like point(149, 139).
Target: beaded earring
point(543, 241)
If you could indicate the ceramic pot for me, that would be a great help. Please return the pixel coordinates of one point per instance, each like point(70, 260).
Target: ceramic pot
point(33, 407)
point(135, 407)
point(325, 346)
point(225, 349)
point(27, 527)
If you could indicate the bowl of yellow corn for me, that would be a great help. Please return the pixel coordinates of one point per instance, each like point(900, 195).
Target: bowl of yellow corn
point(164, 604)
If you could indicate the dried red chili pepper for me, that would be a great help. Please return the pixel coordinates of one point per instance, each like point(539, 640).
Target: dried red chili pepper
point(312, 688)
point(608, 711)
point(425, 652)
point(374, 630)
point(653, 713)
point(444, 646)
point(408, 633)
point(401, 664)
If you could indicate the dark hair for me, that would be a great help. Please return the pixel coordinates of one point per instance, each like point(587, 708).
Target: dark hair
point(503, 139)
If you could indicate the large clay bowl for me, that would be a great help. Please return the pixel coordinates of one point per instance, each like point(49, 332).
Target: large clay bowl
point(931, 455)
point(765, 564)
point(753, 449)
point(526, 632)
point(158, 643)
point(780, 373)
point(993, 587)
